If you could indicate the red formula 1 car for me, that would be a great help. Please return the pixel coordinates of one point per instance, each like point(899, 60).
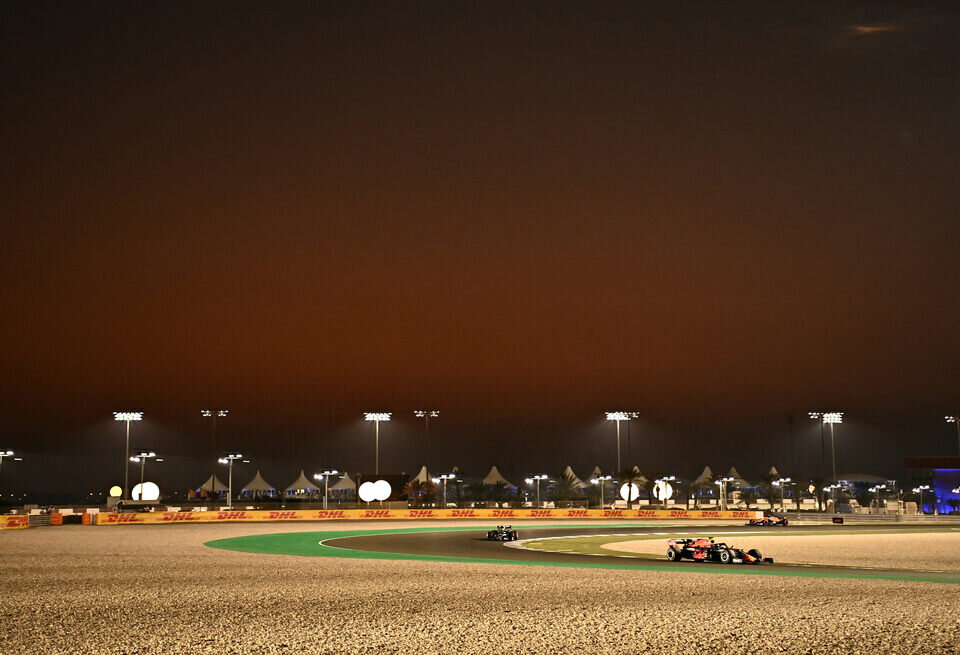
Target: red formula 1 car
point(768, 521)
point(706, 549)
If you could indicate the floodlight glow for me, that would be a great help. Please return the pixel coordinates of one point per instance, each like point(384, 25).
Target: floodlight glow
point(663, 490)
point(833, 417)
point(634, 492)
point(952, 419)
point(149, 491)
point(115, 491)
point(429, 413)
point(7, 453)
point(366, 492)
point(214, 412)
point(618, 416)
point(377, 416)
point(128, 416)
point(382, 490)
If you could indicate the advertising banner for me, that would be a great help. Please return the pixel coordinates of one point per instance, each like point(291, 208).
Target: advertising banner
point(14, 522)
point(241, 516)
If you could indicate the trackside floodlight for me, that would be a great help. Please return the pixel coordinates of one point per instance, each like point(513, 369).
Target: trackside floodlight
point(128, 416)
point(424, 413)
point(214, 412)
point(377, 416)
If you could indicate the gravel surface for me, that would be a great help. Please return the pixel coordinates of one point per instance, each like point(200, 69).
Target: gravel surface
point(932, 551)
point(157, 589)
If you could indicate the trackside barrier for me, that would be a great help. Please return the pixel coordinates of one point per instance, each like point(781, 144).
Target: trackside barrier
point(14, 522)
point(104, 518)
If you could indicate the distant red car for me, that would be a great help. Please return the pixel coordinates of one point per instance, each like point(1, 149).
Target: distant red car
point(768, 521)
point(706, 549)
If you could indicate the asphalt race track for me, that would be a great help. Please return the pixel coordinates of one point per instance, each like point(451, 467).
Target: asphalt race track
point(469, 545)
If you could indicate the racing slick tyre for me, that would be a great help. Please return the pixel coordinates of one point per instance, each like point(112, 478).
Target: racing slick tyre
point(726, 557)
point(674, 555)
point(753, 552)
point(513, 536)
point(784, 522)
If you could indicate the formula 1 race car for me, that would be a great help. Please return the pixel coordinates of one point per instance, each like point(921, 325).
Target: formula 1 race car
point(502, 533)
point(708, 550)
point(768, 521)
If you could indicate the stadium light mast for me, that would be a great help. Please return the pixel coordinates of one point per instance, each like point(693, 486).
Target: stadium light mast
point(876, 489)
point(141, 459)
point(213, 415)
point(618, 417)
point(920, 490)
point(228, 459)
point(376, 417)
point(818, 416)
point(426, 415)
point(325, 476)
point(126, 417)
point(601, 480)
point(956, 421)
point(536, 480)
point(832, 418)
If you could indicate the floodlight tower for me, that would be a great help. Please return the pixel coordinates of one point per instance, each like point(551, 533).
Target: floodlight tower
point(213, 415)
point(876, 489)
point(325, 476)
point(618, 416)
point(228, 459)
point(376, 417)
point(832, 418)
point(426, 415)
point(661, 484)
point(601, 480)
point(536, 480)
point(818, 416)
point(126, 417)
point(141, 459)
point(956, 421)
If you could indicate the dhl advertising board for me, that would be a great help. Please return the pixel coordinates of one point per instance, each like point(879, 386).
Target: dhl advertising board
point(240, 516)
point(14, 522)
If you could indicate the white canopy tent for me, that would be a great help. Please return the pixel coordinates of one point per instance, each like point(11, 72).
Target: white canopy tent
point(344, 484)
point(574, 480)
point(422, 476)
point(258, 486)
point(302, 486)
point(213, 483)
point(494, 477)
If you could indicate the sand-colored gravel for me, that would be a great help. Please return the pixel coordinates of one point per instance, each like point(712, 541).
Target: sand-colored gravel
point(157, 589)
point(931, 551)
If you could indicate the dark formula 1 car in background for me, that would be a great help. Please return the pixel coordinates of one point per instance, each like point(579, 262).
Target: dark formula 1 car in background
point(502, 533)
point(708, 550)
point(768, 521)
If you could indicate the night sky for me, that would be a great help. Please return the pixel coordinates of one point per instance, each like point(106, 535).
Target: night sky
point(521, 214)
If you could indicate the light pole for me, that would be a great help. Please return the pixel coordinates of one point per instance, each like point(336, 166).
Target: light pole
point(831, 489)
point(325, 476)
point(213, 415)
point(601, 480)
point(426, 415)
point(920, 490)
point(141, 458)
point(781, 482)
point(126, 417)
point(228, 459)
point(536, 480)
point(376, 417)
point(956, 421)
point(876, 489)
point(832, 418)
point(722, 483)
point(818, 416)
point(618, 416)
point(443, 478)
